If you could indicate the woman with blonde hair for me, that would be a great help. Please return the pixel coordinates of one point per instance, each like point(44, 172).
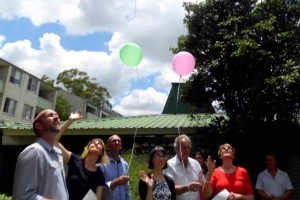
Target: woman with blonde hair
point(83, 171)
point(234, 179)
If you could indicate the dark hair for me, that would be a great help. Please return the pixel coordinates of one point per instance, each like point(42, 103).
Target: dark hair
point(33, 125)
point(201, 153)
point(272, 153)
point(153, 152)
point(39, 119)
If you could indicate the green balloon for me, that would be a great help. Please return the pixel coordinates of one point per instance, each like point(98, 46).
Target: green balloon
point(131, 54)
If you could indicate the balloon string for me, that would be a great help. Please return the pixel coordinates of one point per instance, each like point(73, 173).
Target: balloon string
point(138, 83)
point(177, 98)
point(132, 151)
point(135, 133)
point(134, 11)
point(177, 102)
point(184, 169)
point(178, 127)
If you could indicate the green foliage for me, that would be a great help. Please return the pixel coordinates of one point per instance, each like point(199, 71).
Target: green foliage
point(48, 80)
point(80, 84)
point(5, 197)
point(63, 107)
point(247, 58)
point(138, 163)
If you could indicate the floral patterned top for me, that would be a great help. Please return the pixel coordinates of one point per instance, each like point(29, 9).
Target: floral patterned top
point(161, 191)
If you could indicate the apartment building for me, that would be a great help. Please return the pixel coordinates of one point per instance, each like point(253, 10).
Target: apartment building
point(88, 109)
point(23, 95)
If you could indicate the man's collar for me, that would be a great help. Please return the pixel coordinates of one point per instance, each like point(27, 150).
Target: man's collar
point(47, 146)
point(113, 160)
point(178, 162)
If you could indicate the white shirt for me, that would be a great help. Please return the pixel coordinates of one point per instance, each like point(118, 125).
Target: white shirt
point(184, 176)
point(273, 186)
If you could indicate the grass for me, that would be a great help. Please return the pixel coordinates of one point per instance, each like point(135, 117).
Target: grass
point(138, 163)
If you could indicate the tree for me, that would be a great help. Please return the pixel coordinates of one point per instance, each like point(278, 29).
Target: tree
point(63, 107)
point(80, 84)
point(46, 79)
point(247, 58)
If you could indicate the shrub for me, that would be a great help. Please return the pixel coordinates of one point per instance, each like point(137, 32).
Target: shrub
point(5, 197)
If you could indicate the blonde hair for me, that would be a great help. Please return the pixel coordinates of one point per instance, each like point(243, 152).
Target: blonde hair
point(103, 159)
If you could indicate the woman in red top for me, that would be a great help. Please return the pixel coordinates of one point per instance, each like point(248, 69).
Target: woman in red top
point(234, 179)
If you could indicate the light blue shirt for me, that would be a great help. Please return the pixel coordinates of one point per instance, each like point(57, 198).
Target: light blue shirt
point(112, 171)
point(39, 173)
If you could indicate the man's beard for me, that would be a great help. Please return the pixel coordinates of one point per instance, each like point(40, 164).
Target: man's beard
point(53, 130)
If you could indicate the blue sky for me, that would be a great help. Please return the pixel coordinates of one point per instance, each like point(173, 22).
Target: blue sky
point(48, 37)
point(20, 29)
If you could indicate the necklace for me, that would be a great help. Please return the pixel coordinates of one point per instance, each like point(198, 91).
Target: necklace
point(228, 171)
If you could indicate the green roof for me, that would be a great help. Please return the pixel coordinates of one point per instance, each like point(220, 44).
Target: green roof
point(148, 124)
point(175, 106)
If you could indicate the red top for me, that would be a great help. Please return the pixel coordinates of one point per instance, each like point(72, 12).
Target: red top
point(236, 182)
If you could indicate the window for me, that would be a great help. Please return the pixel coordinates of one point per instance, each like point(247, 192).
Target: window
point(10, 106)
point(104, 115)
point(27, 112)
point(32, 84)
point(15, 77)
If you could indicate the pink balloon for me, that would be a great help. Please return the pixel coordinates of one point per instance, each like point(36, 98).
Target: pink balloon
point(183, 63)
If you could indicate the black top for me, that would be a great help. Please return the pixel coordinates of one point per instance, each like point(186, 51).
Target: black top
point(143, 188)
point(80, 181)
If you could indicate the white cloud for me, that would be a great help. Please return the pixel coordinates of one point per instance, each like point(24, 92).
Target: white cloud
point(154, 25)
point(2, 39)
point(142, 102)
point(40, 12)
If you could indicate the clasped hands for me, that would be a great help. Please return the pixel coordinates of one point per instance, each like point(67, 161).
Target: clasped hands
point(194, 186)
point(123, 179)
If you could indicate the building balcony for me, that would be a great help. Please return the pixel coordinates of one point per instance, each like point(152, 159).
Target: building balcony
point(91, 116)
point(1, 86)
point(44, 103)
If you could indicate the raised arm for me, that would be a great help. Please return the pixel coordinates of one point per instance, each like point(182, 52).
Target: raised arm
point(146, 185)
point(66, 153)
point(206, 189)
